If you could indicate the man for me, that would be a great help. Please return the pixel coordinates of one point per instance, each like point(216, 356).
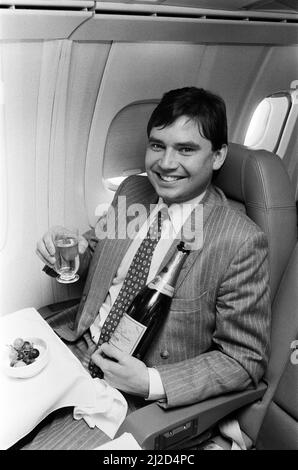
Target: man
point(216, 337)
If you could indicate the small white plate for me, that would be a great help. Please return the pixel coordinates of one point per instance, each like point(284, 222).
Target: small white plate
point(26, 371)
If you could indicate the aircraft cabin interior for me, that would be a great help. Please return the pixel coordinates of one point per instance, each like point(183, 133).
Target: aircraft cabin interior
point(79, 80)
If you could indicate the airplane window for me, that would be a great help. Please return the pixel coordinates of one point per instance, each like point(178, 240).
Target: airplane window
point(126, 137)
point(268, 121)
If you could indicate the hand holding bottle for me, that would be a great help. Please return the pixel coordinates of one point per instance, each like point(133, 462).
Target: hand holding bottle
point(122, 370)
point(144, 316)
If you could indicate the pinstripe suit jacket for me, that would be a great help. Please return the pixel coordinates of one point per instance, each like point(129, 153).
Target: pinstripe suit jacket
point(216, 336)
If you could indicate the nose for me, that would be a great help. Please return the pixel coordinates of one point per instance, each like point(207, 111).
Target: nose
point(168, 160)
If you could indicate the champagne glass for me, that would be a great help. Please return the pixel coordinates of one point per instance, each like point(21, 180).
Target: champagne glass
point(67, 255)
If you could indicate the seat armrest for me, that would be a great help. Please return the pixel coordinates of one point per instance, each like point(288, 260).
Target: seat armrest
point(52, 310)
point(156, 428)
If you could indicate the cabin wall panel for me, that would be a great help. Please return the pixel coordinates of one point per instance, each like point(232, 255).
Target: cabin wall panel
point(19, 269)
point(229, 70)
point(88, 62)
point(47, 113)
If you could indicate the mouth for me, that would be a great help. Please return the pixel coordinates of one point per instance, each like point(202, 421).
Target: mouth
point(169, 178)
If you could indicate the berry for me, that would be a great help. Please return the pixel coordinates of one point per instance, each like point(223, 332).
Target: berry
point(19, 364)
point(34, 353)
point(18, 343)
point(27, 346)
point(27, 360)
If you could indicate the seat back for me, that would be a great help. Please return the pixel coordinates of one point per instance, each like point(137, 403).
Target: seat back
point(288, 146)
point(258, 180)
point(279, 430)
point(277, 412)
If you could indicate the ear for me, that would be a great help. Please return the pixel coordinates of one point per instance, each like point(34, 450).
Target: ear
point(219, 157)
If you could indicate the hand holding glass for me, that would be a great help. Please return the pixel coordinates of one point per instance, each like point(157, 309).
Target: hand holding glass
point(67, 255)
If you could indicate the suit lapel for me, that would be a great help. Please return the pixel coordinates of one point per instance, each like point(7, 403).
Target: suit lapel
point(113, 249)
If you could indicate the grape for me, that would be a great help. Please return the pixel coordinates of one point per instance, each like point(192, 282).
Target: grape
point(34, 353)
point(19, 364)
point(27, 346)
point(18, 343)
point(27, 360)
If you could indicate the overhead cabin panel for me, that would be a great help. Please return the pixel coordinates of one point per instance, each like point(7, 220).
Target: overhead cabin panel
point(27, 20)
point(216, 4)
point(157, 23)
point(263, 5)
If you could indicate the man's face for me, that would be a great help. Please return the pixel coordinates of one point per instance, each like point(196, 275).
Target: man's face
point(180, 162)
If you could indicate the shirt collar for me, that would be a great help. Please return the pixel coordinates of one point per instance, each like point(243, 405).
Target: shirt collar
point(178, 213)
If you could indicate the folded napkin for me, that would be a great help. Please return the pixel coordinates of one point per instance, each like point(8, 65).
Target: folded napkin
point(63, 382)
point(124, 442)
point(108, 411)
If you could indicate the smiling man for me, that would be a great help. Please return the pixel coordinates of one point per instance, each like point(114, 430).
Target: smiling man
point(180, 160)
point(187, 142)
point(216, 337)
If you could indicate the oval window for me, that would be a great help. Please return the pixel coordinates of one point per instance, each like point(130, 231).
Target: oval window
point(268, 121)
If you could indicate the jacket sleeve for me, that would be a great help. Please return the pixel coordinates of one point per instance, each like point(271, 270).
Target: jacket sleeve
point(241, 336)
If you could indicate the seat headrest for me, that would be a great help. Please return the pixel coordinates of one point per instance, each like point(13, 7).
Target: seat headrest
point(259, 180)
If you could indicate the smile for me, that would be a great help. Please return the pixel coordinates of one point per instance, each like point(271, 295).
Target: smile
point(169, 179)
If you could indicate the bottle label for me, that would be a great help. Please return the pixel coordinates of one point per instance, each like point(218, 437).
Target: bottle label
point(127, 334)
point(161, 286)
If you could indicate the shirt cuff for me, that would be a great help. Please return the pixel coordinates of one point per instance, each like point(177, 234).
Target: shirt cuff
point(156, 388)
point(49, 271)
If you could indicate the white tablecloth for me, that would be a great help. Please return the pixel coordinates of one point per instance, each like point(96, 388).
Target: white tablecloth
point(63, 382)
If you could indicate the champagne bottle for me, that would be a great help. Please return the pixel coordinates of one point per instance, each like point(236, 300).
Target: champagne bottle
point(148, 310)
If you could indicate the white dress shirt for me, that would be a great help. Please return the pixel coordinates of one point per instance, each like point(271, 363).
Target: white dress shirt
point(178, 213)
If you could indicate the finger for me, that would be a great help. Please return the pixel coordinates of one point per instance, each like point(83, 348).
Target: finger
point(104, 362)
point(112, 352)
point(83, 245)
point(97, 356)
point(48, 240)
point(43, 253)
point(44, 260)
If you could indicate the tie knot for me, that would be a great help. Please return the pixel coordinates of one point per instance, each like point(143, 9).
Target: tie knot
point(164, 213)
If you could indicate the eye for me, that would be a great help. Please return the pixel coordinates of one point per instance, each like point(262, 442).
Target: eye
point(156, 147)
point(186, 150)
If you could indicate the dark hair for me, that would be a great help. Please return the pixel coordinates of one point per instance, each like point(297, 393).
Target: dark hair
point(204, 107)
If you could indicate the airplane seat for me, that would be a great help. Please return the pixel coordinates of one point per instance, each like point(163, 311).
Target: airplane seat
point(291, 164)
point(258, 180)
point(287, 147)
point(272, 423)
point(279, 430)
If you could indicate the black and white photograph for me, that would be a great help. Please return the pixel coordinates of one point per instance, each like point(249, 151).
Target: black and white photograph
point(148, 228)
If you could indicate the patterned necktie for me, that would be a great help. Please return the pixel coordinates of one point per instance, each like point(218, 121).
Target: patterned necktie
point(134, 281)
